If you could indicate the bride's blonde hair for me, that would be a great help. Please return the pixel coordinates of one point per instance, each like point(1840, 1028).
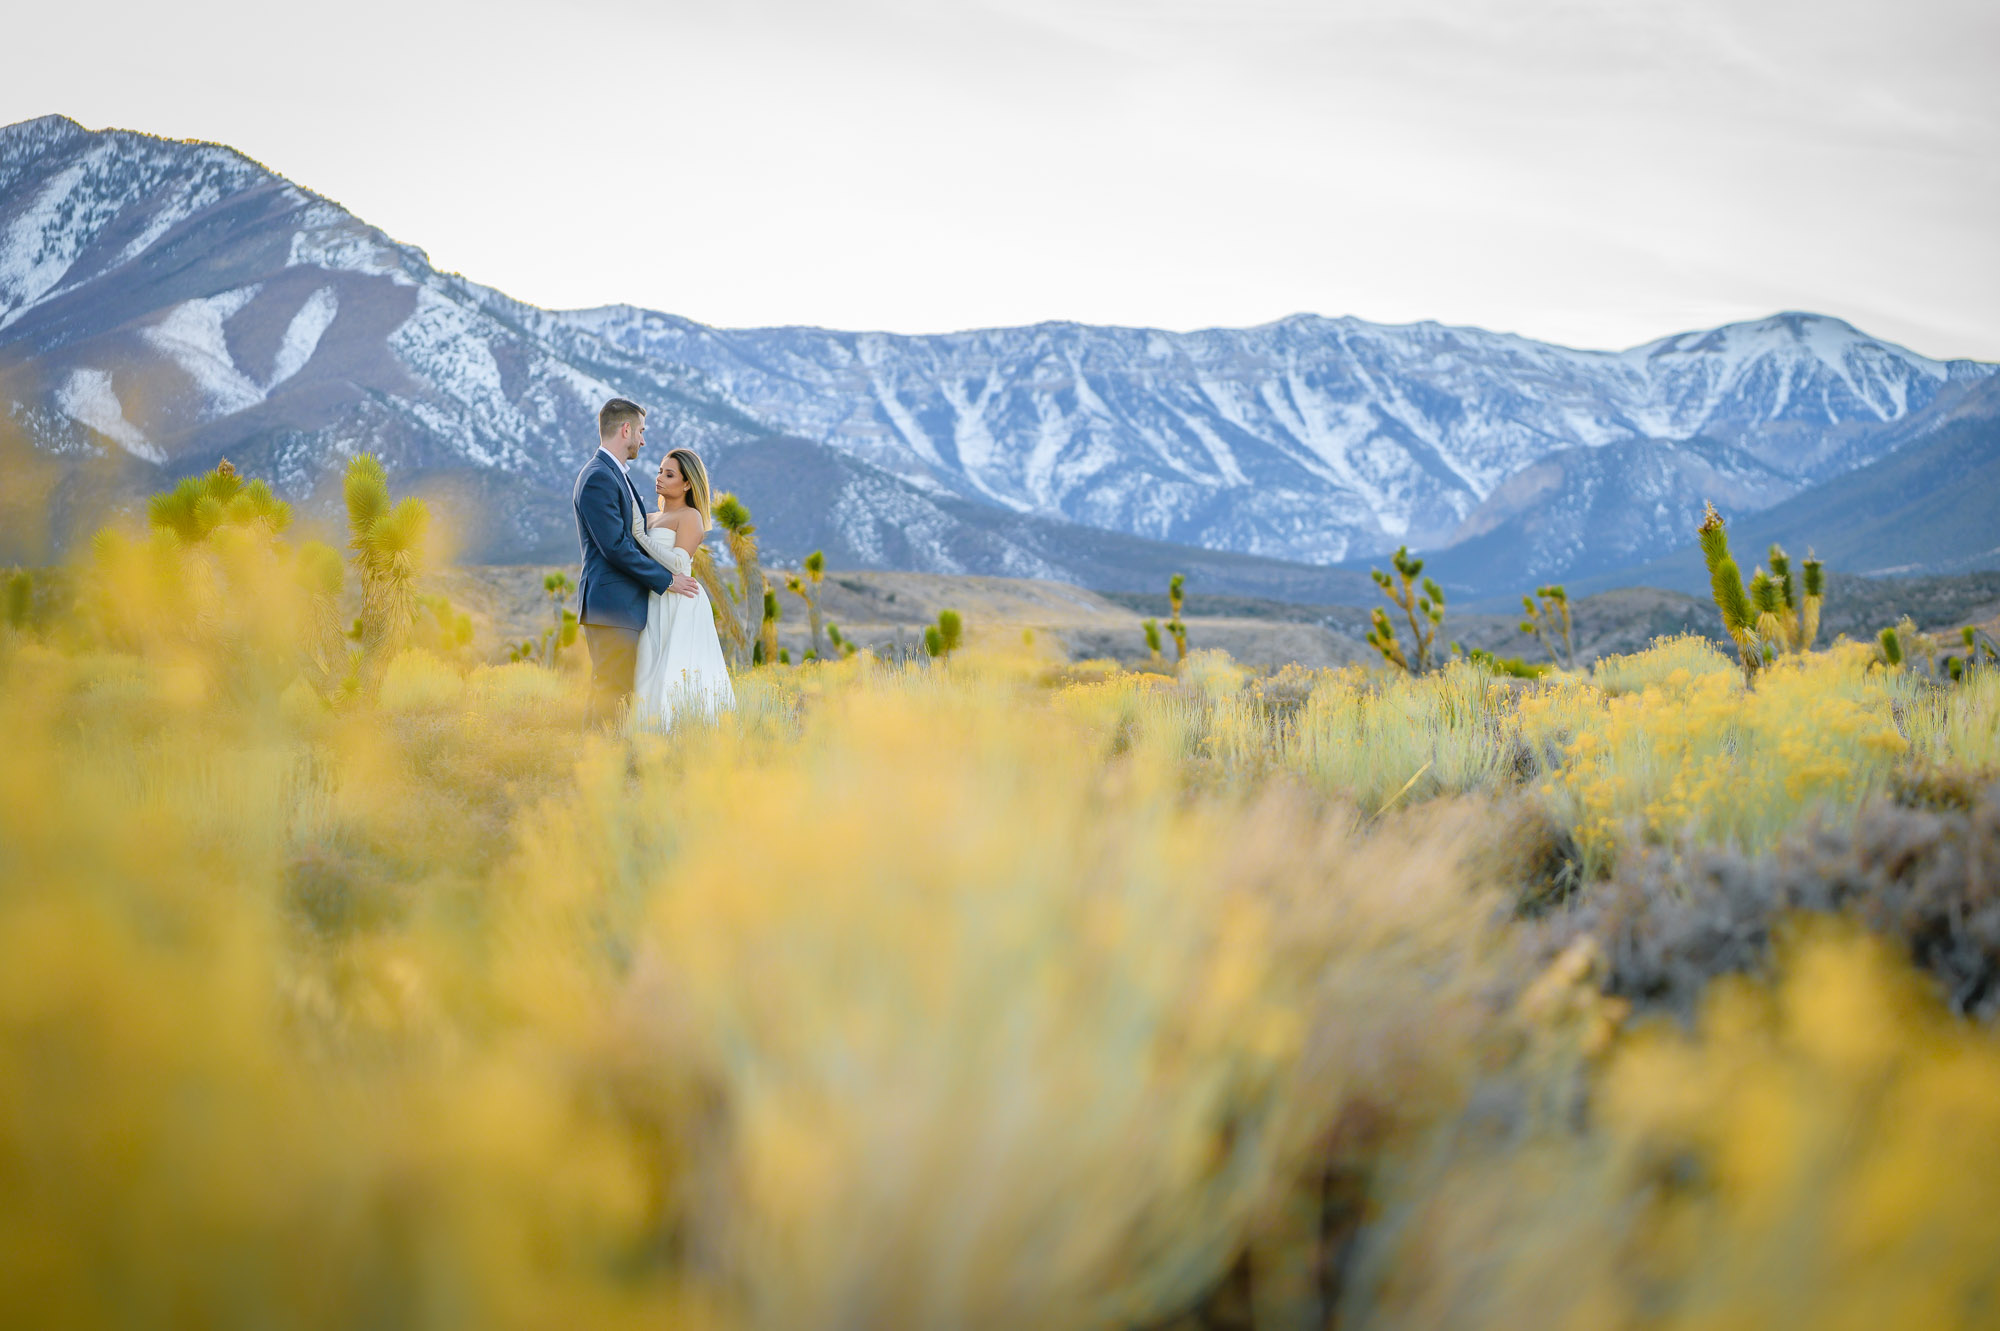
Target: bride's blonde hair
point(696, 476)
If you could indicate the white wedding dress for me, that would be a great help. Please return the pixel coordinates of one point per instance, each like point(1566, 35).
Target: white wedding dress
point(681, 669)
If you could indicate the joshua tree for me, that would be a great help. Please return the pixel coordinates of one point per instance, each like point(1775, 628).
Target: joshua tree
point(844, 645)
point(199, 504)
point(1739, 614)
point(941, 639)
point(805, 585)
point(1382, 637)
point(1548, 620)
point(720, 601)
point(20, 598)
point(387, 543)
point(1422, 602)
point(1175, 600)
point(742, 537)
point(1815, 580)
point(558, 587)
point(1152, 627)
point(1797, 616)
point(767, 630)
point(1979, 656)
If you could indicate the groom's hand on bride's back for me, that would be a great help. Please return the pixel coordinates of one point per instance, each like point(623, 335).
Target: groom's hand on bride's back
point(681, 586)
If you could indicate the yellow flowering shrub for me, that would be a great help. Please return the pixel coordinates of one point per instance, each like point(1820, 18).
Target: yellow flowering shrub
point(1696, 757)
point(1823, 1151)
point(983, 993)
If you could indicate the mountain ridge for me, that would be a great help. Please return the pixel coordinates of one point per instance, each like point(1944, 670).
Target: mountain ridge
point(164, 302)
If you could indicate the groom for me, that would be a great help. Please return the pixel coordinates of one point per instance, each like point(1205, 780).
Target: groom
point(617, 574)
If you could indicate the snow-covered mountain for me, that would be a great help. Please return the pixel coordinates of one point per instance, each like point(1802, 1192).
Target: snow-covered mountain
point(1313, 439)
point(165, 303)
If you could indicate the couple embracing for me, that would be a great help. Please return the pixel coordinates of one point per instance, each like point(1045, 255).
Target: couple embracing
point(649, 623)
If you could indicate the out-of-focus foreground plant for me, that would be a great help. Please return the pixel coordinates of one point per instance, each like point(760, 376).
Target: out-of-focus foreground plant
point(1013, 994)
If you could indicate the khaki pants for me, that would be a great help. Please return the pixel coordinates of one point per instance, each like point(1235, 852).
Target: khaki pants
point(614, 661)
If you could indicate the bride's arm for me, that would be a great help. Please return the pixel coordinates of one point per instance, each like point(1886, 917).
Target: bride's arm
point(688, 531)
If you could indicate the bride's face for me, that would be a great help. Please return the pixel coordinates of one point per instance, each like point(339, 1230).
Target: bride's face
point(671, 485)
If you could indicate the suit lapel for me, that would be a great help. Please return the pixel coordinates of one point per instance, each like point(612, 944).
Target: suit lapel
point(624, 479)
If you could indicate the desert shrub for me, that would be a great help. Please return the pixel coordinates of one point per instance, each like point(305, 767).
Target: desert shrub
point(1660, 661)
point(1404, 737)
point(1821, 1150)
point(1076, 1063)
point(428, 1002)
point(1958, 727)
point(1668, 924)
point(418, 681)
point(1700, 759)
point(1000, 995)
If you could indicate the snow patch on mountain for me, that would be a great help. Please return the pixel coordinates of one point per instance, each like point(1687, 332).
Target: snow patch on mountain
point(40, 245)
point(88, 398)
point(331, 238)
point(303, 333)
point(192, 336)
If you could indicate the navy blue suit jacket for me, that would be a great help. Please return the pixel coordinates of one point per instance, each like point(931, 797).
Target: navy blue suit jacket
point(618, 575)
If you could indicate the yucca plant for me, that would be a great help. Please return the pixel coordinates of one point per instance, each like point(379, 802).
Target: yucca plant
point(1152, 628)
point(1815, 594)
point(1548, 621)
point(767, 629)
point(1422, 602)
point(1725, 582)
point(1382, 637)
point(942, 638)
point(558, 588)
point(20, 598)
point(193, 509)
point(842, 644)
point(721, 604)
point(1889, 648)
point(1981, 653)
point(387, 543)
point(812, 572)
point(734, 520)
point(1176, 598)
point(1774, 626)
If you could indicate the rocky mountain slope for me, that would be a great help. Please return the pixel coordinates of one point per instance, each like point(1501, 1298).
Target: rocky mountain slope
point(163, 304)
point(1930, 507)
point(1319, 439)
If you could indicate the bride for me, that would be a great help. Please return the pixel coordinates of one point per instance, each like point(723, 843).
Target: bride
point(680, 666)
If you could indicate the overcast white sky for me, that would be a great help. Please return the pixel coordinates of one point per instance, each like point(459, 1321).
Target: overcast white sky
point(1593, 172)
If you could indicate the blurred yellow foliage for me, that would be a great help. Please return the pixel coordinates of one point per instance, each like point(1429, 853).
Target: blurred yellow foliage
point(1004, 994)
point(1822, 1152)
point(897, 999)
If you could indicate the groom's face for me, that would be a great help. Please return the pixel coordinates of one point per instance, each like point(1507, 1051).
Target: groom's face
point(632, 437)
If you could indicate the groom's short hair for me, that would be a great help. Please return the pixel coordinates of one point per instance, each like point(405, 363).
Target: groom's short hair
point(614, 414)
